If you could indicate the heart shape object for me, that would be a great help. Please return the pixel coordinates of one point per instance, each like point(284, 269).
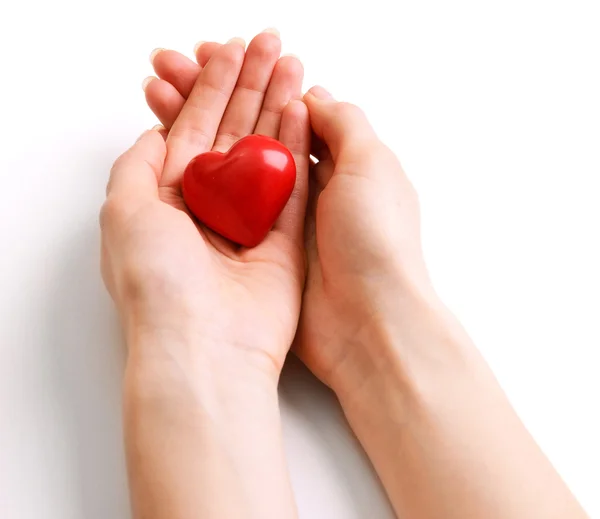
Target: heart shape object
point(240, 194)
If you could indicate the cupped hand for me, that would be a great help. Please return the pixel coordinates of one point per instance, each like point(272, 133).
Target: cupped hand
point(363, 247)
point(171, 276)
point(362, 233)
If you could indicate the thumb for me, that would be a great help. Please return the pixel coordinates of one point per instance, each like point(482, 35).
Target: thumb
point(137, 172)
point(342, 126)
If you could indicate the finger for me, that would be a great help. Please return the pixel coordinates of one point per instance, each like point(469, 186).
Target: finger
point(244, 108)
point(164, 100)
point(175, 68)
point(194, 130)
point(204, 50)
point(167, 96)
point(286, 84)
point(136, 173)
point(342, 127)
point(295, 135)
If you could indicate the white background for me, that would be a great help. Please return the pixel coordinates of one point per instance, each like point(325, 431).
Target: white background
point(494, 109)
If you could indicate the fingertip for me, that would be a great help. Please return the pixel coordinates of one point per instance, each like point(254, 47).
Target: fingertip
point(237, 41)
point(161, 130)
point(273, 31)
point(152, 137)
point(319, 93)
point(265, 46)
point(177, 69)
point(296, 109)
point(155, 53)
point(147, 82)
point(291, 65)
point(205, 50)
point(198, 45)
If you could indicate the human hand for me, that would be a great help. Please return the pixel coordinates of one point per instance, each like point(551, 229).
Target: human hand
point(171, 276)
point(363, 237)
point(363, 247)
point(413, 387)
point(419, 397)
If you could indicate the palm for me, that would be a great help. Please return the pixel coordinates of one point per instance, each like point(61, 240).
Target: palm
point(259, 289)
point(255, 293)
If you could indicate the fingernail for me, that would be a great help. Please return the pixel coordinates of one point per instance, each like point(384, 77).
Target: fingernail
point(238, 41)
point(147, 81)
point(273, 31)
point(198, 45)
point(290, 55)
point(154, 53)
point(158, 127)
point(320, 93)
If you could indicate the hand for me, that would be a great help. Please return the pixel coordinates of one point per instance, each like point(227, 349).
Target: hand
point(208, 324)
point(362, 228)
point(414, 389)
point(363, 246)
point(169, 274)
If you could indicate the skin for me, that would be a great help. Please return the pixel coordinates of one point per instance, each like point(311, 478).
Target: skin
point(438, 429)
point(196, 444)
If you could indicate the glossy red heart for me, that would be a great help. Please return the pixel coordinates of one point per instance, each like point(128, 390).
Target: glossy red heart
point(240, 194)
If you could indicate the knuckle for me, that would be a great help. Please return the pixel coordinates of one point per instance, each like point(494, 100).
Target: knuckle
point(194, 134)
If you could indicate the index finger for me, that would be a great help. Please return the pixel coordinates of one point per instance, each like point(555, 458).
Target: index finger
point(195, 129)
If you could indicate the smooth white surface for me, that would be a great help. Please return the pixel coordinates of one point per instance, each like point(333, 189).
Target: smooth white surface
point(493, 108)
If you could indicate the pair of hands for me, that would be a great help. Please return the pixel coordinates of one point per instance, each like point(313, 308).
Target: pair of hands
point(341, 276)
point(340, 259)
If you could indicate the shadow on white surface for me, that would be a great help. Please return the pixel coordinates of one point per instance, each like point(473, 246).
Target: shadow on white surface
point(88, 361)
point(332, 477)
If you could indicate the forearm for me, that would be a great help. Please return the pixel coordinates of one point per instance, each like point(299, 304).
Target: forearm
point(440, 431)
point(202, 434)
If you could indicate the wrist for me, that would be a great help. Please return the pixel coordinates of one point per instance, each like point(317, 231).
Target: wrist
point(186, 364)
point(408, 346)
point(208, 425)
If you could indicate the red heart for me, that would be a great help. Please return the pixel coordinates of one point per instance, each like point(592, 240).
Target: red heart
point(240, 194)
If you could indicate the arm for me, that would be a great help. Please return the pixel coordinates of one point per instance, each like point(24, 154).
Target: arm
point(201, 417)
point(439, 430)
point(202, 432)
point(207, 324)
